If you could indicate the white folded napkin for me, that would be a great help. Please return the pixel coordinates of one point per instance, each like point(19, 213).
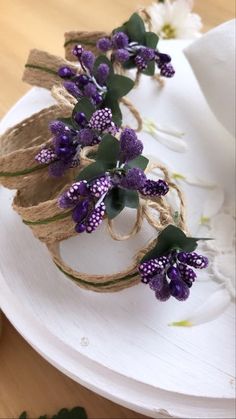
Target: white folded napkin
point(212, 58)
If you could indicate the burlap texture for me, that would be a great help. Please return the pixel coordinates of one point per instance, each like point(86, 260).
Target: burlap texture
point(41, 69)
point(87, 39)
point(20, 144)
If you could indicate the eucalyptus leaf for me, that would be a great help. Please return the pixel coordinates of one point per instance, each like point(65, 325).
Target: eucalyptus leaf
point(141, 162)
point(62, 414)
point(108, 151)
point(70, 122)
point(84, 105)
point(151, 40)
point(75, 413)
point(92, 171)
point(131, 198)
point(113, 104)
point(171, 238)
point(129, 64)
point(135, 29)
point(119, 86)
point(115, 202)
point(150, 70)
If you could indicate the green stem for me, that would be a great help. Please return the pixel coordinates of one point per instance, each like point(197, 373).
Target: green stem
point(95, 284)
point(79, 41)
point(38, 67)
point(22, 172)
point(48, 220)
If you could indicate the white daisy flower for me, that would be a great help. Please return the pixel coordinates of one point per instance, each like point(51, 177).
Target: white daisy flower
point(173, 19)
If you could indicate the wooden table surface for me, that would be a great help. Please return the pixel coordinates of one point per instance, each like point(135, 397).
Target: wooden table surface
point(27, 381)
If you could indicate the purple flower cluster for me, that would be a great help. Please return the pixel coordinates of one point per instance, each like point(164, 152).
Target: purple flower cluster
point(64, 150)
point(124, 49)
point(86, 201)
point(67, 142)
point(92, 83)
point(130, 148)
point(171, 275)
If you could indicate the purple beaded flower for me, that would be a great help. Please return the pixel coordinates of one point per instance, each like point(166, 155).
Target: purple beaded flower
point(130, 146)
point(85, 200)
point(63, 152)
point(126, 50)
point(92, 83)
point(170, 275)
point(154, 188)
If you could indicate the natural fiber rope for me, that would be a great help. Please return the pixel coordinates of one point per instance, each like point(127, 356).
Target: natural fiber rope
point(41, 69)
point(39, 211)
point(20, 144)
point(126, 102)
point(86, 39)
point(135, 229)
point(128, 277)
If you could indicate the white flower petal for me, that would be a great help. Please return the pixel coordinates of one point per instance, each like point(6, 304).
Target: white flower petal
point(213, 307)
point(177, 15)
point(223, 267)
point(214, 203)
point(223, 232)
point(173, 143)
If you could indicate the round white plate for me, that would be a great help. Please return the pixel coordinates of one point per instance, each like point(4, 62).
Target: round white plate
point(120, 345)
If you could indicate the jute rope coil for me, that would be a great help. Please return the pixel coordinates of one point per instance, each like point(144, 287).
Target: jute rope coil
point(20, 144)
point(41, 70)
point(130, 276)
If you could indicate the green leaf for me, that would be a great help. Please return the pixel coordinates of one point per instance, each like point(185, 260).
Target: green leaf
point(135, 29)
point(119, 86)
point(109, 102)
point(171, 238)
point(108, 151)
point(102, 59)
point(131, 198)
point(70, 122)
point(118, 199)
point(150, 70)
point(77, 413)
point(43, 417)
point(129, 64)
point(92, 171)
point(23, 415)
point(141, 162)
point(151, 40)
point(119, 29)
point(84, 105)
point(62, 414)
point(115, 202)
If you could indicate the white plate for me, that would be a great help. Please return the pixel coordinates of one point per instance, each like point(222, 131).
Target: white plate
point(120, 345)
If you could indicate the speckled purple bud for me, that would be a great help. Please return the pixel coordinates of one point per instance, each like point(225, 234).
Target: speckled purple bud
point(103, 71)
point(104, 44)
point(121, 55)
point(120, 40)
point(88, 59)
point(135, 179)
point(71, 88)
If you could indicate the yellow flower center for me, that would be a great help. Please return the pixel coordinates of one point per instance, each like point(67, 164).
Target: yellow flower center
point(168, 31)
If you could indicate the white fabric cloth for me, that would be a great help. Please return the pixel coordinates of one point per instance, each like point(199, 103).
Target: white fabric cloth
point(212, 58)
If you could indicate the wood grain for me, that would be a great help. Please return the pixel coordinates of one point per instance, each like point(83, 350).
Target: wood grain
point(26, 380)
